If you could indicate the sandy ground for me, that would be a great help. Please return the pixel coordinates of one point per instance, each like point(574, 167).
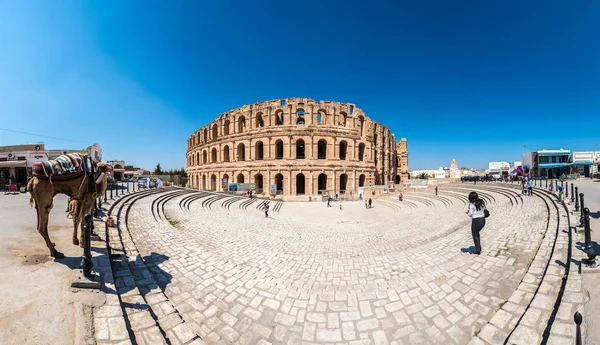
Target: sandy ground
point(37, 304)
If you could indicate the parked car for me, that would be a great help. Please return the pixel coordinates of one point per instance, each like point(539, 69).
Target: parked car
point(153, 183)
point(142, 182)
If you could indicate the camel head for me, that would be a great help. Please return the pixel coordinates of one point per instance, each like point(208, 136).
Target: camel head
point(102, 175)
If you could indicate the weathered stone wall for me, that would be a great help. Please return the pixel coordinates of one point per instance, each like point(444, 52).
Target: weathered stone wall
point(263, 143)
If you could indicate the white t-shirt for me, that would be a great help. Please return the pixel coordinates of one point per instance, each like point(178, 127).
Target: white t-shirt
point(474, 213)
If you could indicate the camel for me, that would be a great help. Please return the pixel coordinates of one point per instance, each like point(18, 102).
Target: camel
point(82, 188)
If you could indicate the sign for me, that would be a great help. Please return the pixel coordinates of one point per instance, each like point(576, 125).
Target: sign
point(499, 165)
point(273, 189)
point(225, 183)
point(415, 184)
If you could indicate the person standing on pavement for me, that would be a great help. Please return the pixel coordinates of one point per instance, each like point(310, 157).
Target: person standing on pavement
point(266, 209)
point(530, 187)
point(477, 213)
point(370, 203)
point(436, 190)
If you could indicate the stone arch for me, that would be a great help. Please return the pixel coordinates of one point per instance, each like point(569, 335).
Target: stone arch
point(240, 178)
point(343, 183)
point(259, 151)
point(226, 153)
point(213, 155)
point(300, 184)
point(197, 158)
point(322, 149)
point(279, 183)
point(300, 149)
point(361, 124)
point(342, 119)
point(343, 150)
point(215, 132)
point(397, 180)
point(213, 182)
point(322, 183)
point(279, 149)
point(321, 118)
point(197, 184)
point(241, 124)
point(225, 176)
point(260, 122)
point(258, 182)
point(300, 117)
point(241, 152)
point(279, 117)
point(205, 134)
point(203, 182)
point(226, 126)
point(204, 157)
point(361, 151)
point(361, 180)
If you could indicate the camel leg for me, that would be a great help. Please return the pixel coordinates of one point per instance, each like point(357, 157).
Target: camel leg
point(43, 210)
point(76, 205)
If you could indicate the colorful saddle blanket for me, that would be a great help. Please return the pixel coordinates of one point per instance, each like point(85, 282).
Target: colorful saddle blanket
point(68, 164)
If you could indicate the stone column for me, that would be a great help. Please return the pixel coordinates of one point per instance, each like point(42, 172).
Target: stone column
point(289, 184)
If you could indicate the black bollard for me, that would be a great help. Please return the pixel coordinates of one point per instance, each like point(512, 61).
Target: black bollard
point(586, 223)
point(582, 206)
point(105, 196)
point(117, 190)
point(567, 190)
point(546, 183)
point(578, 320)
point(111, 189)
point(572, 193)
point(86, 259)
point(127, 187)
point(576, 199)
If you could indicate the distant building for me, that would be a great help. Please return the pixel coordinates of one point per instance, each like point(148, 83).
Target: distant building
point(16, 160)
point(121, 171)
point(547, 163)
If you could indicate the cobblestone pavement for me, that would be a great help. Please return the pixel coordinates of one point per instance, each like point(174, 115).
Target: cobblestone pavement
point(399, 273)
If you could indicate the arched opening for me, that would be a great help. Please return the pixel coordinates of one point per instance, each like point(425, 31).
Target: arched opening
point(196, 182)
point(240, 178)
point(342, 118)
point(226, 153)
point(226, 126)
point(279, 183)
point(258, 183)
point(225, 183)
point(322, 183)
point(343, 183)
point(300, 184)
point(258, 151)
point(279, 149)
point(397, 180)
point(343, 150)
point(322, 149)
point(204, 182)
point(361, 180)
point(279, 118)
point(259, 121)
point(241, 152)
point(300, 117)
point(300, 149)
point(205, 135)
point(361, 151)
point(241, 124)
point(213, 182)
point(215, 132)
point(319, 118)
point(213, 155)
point(197, 159)
point(204, 157)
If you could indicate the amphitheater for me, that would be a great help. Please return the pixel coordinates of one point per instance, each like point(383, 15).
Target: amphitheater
point(202, 267)
point(295, 147)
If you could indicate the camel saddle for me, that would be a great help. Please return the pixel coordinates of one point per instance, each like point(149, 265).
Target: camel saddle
point(64, 168)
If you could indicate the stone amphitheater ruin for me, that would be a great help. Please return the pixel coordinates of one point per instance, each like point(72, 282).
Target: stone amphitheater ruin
point(302, 146)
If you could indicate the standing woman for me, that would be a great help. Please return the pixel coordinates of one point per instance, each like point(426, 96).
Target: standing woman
point(478, 213)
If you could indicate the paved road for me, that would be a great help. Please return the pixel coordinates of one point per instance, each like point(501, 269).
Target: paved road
point(394, 274)
point(591, 281)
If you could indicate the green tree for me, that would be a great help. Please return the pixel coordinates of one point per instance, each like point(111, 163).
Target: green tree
point(158, 170)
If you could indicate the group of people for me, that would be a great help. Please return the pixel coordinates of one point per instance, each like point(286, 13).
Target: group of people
point(526, 186)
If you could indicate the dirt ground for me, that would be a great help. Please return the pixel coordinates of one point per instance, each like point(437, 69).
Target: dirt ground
point(37, 304)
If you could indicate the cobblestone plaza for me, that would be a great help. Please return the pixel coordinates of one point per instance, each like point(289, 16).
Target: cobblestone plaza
point(211, 268)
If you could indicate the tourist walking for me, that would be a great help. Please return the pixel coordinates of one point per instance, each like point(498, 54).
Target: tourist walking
point(530, 187)
point(266, 209)
point(370, 203)
point(329, 201)
point(477, 212)
point(436, 190)
point(400, 196)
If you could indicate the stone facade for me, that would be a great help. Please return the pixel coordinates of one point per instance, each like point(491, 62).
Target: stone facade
point(302, 146)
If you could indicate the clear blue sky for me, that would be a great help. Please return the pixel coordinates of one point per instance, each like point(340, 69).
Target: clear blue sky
point(471, 80)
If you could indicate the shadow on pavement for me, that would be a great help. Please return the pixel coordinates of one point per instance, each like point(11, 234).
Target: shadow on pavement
point(469, 250)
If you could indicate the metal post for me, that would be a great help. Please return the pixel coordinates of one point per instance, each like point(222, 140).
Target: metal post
point(546, 183)
point(582, 206)
point(106, 196)
point(572, 193)
point(117, 191)
point(576, 199)
point(111, 189)
point(567, 189)
point(86, 259)
point(586, 217)
point(578, 320)
point(127, 187)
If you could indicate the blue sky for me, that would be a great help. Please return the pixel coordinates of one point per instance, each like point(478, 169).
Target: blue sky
point(471, 80)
